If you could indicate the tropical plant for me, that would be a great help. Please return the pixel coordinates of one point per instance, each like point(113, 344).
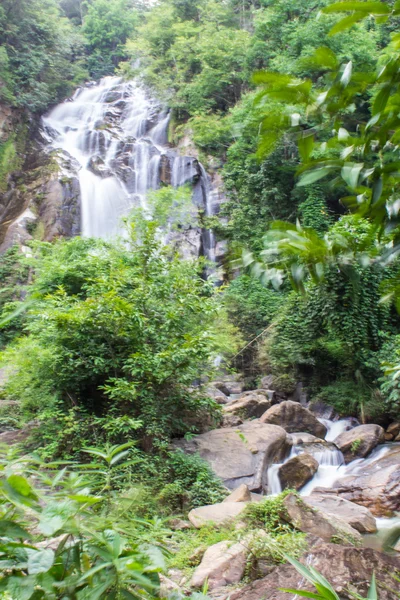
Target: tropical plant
point(53, 544)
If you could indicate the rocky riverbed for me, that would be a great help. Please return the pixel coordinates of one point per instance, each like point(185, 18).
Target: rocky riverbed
point(348, 503)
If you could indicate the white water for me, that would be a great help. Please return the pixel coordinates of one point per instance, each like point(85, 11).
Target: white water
point(117, 136)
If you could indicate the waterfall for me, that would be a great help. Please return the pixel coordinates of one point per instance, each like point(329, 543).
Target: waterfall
point(115, 135)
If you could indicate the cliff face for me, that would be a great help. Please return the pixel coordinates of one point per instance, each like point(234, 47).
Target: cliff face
point(37, 197)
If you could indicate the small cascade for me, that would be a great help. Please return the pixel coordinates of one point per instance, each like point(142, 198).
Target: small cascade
point(273, 481)
point(335, 428)
point(116, 136)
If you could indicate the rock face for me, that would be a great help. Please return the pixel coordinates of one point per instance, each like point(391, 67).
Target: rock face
point(358, 442)
point(241, 455)
point(219, 514)
point(250, 405)
point(356, 516)
point(342, 566)
point(223, 564)
point(375, 485)
point(241, 494)
point(294, 417)
point(323, 525)
point(297, 471)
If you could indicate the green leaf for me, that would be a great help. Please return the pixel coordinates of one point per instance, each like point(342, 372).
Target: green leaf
point(302, 593)
point(381, 100)
point(372, 592)
point(306, 145)
point(346, 23)
point(20, 485)
point(12, 530)
point(376, 8)
point(21, 588)
point(351, 173)
point(313, 176)
point(40, 561)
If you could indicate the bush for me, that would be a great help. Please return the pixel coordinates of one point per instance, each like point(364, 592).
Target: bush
point(120, 331)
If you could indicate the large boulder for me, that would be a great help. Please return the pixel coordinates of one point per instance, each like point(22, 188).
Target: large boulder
point(294, 417)
point(241, 455)
point(230, 384)
point(241, 494)
point(342, 566)
point(250, 405)
point(218, 514)
point(374, 484)
point(297, 471)
point(313, 521)
point(358, 442)
point(222, 564)
point(356, 516)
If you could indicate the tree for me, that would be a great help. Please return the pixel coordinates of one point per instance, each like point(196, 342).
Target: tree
point(107, 26)
point(40, 54)
point(118, 331)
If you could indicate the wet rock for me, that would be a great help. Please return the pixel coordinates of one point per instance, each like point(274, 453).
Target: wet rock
point(313, 521)
point(112, 96)
point(320, 448)
point(223, 564)
point(297, 471)
point(294, 417)
point(217, 514)
point(166, 169)
point(342, 566)
point(360, 441)
point(375, 484)
point(97, 166)
point(241, 455)
point(250, 405)
point(241, 494)
point(358, 517)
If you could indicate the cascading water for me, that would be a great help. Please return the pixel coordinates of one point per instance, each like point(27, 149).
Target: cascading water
point(115, 137)
point(331, 468)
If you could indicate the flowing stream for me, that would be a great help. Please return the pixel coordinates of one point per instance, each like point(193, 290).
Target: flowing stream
point(331, 468)
point(115, 138)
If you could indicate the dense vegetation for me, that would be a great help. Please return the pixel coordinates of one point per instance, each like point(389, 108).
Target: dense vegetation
point(109, 347)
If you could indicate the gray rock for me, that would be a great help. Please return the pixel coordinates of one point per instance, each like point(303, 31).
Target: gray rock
point(241, 494)
point(294, 417)
point(343, 566)
point(241, 455)
point(218, 514)
point(358, 442)
point(223, 564)
point(251, 405)
point(310, 520)
point(356, 516)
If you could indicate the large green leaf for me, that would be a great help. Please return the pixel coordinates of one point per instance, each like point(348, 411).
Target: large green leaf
point(11, 529)
point(40, 561)
point(376, 8)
